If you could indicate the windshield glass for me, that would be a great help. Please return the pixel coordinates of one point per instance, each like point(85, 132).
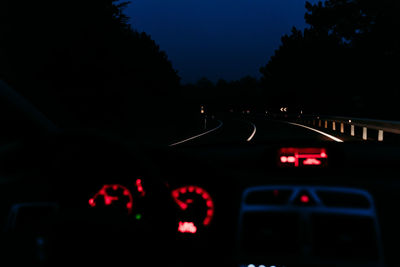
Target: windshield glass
point(188, 133)
point(167, 71)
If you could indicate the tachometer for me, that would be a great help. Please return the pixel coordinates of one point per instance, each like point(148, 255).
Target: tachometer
point(114, 195)
point(196, 207)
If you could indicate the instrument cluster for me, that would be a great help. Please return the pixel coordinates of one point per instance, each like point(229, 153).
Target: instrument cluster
point(194, 205)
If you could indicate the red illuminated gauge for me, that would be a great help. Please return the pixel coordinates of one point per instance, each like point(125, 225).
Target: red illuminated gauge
point(196, 205)
point(139, 187)
point(113, 195)
point(302, 157)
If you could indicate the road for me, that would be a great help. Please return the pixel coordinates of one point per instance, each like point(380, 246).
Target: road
point(260, 130)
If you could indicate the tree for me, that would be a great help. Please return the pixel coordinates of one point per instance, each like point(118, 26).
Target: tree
point(225, 95)
point(349, 47)
point(82, 58)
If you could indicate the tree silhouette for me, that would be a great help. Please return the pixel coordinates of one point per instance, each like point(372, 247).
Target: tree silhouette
point(82, 58)
point(344, 62)
point(226, 95)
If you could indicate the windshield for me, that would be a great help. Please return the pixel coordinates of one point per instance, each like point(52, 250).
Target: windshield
point(167, 71)
point(245, 133)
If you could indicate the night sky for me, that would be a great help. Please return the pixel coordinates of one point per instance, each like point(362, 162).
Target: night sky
point(217, 39)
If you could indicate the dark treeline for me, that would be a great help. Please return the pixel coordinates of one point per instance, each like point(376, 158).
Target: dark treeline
point(226, 95)
point(346, 62)
point(81, 62)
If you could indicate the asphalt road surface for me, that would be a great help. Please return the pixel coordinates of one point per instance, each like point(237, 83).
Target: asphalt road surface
point(260, 130)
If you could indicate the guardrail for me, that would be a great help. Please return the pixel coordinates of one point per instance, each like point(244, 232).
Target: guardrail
point(357, 128)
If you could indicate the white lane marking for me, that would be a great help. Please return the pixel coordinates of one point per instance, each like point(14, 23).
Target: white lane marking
point(199, 135)
point(253, 133)
point(315, 130)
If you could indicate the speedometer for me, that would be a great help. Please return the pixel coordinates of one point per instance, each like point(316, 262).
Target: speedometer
point(114, 195)
point(196, 208)
point(119, 197)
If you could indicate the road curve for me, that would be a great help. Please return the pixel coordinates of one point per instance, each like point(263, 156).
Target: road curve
point(258, 130)
point(220, 124)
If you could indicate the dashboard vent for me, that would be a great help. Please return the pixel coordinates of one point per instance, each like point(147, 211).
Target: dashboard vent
point(271, 234)
point(269, 197)
point(344, 237)
point(343, 200)
point(322, 224)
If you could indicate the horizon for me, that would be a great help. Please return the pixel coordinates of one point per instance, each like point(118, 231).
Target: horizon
point(217, 39)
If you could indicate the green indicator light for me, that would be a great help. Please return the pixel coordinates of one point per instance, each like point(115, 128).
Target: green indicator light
point(138, 216)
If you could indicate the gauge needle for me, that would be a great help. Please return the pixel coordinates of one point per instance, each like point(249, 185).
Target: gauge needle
point(109, 199)
point(184, 205)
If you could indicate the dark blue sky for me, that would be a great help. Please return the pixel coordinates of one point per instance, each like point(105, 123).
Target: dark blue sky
point(217, 38)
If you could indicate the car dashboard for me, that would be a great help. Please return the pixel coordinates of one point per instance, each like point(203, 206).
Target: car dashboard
point(103, 202)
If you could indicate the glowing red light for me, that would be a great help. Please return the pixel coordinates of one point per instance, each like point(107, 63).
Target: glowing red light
point(304, 199)
point(295, 156)
point(109, 199)
point(206, 196)
point(207, 221)
point(183, 205)
point(312, 161)
point(175, 196)
point(210, 212)
point(276, 193)
point(140, 187)
point(187, 227)
point(184, 201)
